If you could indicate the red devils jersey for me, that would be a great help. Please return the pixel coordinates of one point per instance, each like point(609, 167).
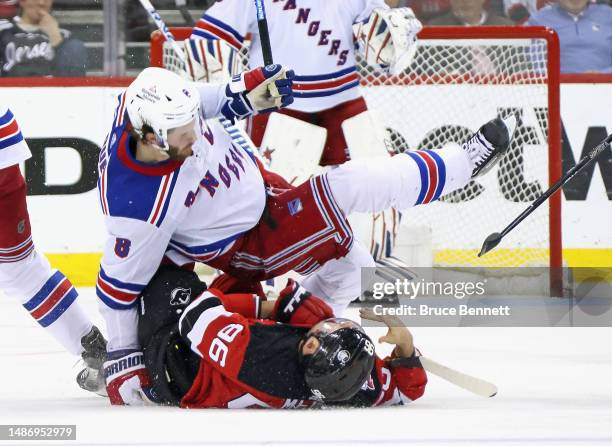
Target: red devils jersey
point(254, 363)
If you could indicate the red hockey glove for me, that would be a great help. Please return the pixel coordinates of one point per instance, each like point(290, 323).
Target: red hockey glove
point(297, 306)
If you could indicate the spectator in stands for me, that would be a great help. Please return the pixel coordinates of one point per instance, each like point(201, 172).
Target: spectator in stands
point(519, 10)
point(585, 33)
point(33, 44)
point(469, 13)
point(425, 10)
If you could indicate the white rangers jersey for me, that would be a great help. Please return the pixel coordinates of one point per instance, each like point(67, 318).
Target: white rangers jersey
point(312, 37)
point(13, 148)
point(189, 211)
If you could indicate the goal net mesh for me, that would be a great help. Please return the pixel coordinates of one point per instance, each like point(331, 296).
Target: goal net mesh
point(452, 87)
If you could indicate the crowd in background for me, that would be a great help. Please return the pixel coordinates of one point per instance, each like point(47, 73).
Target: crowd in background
point(34, 41)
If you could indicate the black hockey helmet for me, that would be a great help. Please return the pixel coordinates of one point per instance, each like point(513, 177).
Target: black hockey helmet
point(343, 361)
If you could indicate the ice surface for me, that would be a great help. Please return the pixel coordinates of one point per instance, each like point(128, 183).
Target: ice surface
point(555, 388)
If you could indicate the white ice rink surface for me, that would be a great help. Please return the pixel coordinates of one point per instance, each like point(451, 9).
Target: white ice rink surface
point(555, 388)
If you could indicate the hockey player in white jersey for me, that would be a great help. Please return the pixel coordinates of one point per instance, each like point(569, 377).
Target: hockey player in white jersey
point(176, 187)
point(328, 121)
point(25, 274)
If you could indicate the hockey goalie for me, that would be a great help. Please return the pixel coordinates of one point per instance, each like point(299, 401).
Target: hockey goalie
point(329, 122)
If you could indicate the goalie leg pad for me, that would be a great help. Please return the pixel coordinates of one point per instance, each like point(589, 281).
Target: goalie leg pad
point(292, 147)
point(364, 135)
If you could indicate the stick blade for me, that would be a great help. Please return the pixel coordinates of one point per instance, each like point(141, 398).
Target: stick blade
point(491, 242)
point(472, 384)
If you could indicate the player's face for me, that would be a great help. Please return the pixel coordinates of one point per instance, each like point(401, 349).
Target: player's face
point(467, 9)
point(33, 10)
point(573, 6)
point(181, 140)
point(311, 344)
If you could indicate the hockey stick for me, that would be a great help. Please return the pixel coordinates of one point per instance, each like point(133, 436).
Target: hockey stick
point(161, 25)
point(493, 240)
point(238, 135)
point(182, 7)
point(264, 35)
point(471, 384)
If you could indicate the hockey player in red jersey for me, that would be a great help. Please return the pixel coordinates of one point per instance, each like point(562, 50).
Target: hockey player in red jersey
point(208, 349)
point(25, 273)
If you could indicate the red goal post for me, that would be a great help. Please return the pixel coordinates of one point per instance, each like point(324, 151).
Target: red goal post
point(466, 74)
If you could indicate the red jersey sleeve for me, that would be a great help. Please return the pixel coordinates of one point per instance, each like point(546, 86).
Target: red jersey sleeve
point(402, 380)
point(218, 336)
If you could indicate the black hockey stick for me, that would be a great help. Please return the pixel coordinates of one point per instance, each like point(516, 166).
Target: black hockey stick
point(493, 240)
point(264, 35)
point(182, 7)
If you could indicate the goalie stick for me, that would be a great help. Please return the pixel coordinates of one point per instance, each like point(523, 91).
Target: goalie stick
point(182, 7)
point(493, 240)
point(146, 4)
point(264, 35)
point(471, 384)
point(238, 135)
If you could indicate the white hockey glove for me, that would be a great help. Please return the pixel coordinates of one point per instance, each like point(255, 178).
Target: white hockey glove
point(389, 38)
point(127, 379)
point(209, 60)
point(262, 90)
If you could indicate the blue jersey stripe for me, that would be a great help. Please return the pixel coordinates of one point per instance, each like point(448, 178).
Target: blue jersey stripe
point(204, 34)
point(11, 141)
point(59, 309)
point(323, 77)
point(424, 176)
point(119, 284)
point(323, 93)
point(113, 304)
point(203, 249)
point(44, 292)
point(194, 50)
point(168, 199)
point(441, 173)
point(6, 118)
point(224, 26)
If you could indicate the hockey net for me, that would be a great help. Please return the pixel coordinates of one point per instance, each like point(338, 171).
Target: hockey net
point(460, 78)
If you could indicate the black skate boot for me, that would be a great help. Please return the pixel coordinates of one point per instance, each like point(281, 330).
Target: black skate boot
point(490, 143)
point(91, 378)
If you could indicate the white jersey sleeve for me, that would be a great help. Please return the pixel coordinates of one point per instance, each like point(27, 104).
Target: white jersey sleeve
point(228, 20)
point(212, 98)
point(362, 9)
point(133, 251)
point(13, 148)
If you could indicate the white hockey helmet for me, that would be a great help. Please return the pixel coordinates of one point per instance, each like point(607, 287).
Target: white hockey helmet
point(163, 100)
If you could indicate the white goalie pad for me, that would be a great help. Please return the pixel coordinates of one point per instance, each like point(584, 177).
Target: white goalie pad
point(293, 148)
point(366, 138)
point(365, 135)
point(377, 232)
point(210, 60)
point(389, 38)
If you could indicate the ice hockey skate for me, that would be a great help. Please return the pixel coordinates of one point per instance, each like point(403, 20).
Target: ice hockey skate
point(488, 145)
point(91, 377)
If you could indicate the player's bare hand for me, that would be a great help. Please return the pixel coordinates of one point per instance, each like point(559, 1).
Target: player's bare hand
point(397, 333)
